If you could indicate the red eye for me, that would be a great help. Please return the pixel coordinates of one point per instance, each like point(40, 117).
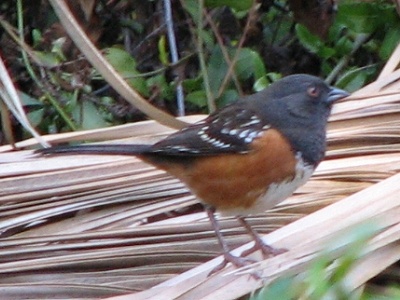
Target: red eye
point(313, 91)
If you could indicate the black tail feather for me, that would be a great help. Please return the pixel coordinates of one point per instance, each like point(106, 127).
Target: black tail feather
point(106, 149)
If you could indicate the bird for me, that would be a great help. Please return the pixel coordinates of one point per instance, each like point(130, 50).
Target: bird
point(246, 157)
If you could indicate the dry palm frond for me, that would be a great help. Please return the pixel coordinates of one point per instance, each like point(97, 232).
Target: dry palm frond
point(103, 226)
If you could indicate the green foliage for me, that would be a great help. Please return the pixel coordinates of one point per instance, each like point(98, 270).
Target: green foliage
point(248, 65)
point(36, 110)
point(88, 116)
point(125, 64)
point(375, 17)
point(326, 277)
point(390, 41)
point(373, 23)
point(198, 98)
point(282, 289)
point(158, 82)
point(355, 78)
point(367, 17)
point(313, 43)
point(271, 45)
point(52, 58)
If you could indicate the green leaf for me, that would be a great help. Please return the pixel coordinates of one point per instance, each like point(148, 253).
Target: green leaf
point(283, 289)
point(125, 64)
point(249, 64)
point(192, 7)
point(216, 69)
point(162, 50)
point(313, 43)
point(36, 117)
point(198, 98)
point(193, 84)
point(326, 52)
point(266, 80)
point(364, 17)
point(88, 115)
point(208, 40)
point(49, 60)
point(354, 79)
point(35, 109)
point(389, 43)
point(260, 84)
point(29, 100)
point(227, 97)
point(316, 277)
point(343, 46)
point(307, 39)
point(36, 37)
point(57, 47)
point(160, 84)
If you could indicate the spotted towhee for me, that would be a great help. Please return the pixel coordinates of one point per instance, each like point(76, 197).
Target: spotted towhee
point(246, 157)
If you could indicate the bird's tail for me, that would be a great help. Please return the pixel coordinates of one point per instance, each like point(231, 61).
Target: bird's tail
point(107, 149)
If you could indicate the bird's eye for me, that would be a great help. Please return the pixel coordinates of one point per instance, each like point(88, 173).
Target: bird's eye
point(313, 91)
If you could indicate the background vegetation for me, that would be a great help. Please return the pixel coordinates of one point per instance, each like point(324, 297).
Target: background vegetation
point(225, 49)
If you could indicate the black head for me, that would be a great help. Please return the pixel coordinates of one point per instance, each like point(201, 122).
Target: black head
point(299, 106)
point(302, 96)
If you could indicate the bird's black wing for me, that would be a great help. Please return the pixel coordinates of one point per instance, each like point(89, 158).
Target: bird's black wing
point(231, 130)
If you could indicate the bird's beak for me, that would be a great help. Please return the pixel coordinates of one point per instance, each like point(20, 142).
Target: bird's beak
point(336, 94)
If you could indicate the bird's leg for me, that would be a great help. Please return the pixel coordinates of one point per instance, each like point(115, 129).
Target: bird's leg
point(228, 257)
point(259, 244)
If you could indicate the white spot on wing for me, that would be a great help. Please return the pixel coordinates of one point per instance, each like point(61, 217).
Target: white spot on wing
point(254, 134)
point(244, 133)
point(225, 130)
point(181, 148)
point(213, 141)
point(205, 137)
point(233, 132)
point(253, 121)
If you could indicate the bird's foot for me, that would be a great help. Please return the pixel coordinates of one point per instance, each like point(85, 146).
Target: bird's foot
point(266, 250)
point(259, 244)
point(237, 261)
